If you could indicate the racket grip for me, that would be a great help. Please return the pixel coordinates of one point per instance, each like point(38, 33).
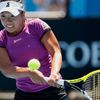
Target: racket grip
point(59, 82)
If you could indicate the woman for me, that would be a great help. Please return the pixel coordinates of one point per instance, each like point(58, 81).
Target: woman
point(21, 40)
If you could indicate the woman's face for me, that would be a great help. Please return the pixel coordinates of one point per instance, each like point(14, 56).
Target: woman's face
point(13, 24)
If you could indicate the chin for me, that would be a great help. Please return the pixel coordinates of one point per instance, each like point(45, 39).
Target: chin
point(10, 30)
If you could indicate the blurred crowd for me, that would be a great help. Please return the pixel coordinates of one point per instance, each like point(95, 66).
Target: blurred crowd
point(42, 5)
point(45, 5)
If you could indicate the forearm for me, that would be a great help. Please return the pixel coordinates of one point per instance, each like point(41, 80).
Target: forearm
point(16, 72)
point(20, 72)
point(55, 69)
point(56, 62)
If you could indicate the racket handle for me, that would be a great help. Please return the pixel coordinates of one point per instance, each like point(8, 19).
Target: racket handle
point(59, 82)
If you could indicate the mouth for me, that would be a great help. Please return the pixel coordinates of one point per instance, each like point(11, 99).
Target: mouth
point(9, 26)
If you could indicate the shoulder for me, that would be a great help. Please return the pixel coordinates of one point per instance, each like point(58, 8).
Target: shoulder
point(36, 22)
point(38, 26)
point(2, 33)
point(3, 38)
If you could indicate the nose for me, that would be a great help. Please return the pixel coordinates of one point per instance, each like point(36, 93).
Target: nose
point(8, 19)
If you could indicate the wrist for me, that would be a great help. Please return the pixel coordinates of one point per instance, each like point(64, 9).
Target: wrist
point(23, 72)
point(54, 72)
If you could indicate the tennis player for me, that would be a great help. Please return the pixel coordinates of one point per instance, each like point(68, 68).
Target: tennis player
point(21, 40)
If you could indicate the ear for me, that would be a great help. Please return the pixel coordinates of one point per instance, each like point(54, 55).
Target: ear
point(23, 14)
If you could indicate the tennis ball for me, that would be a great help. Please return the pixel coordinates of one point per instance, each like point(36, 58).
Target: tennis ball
point(33, 64)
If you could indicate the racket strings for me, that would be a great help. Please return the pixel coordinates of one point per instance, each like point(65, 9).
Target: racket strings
point(96, 87)
point(92, 86)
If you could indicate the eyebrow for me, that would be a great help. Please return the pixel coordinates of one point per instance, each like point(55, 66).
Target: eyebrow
point(4, 14)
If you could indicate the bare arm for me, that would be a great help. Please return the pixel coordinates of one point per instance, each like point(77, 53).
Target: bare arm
point(15, 71)
point(7, 69)
point(50, 42)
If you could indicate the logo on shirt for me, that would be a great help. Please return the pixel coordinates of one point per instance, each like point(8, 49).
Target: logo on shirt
point(17, 40)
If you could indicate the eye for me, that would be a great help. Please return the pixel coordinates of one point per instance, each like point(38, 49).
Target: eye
point(2, 16)
point(9, 17)
point(12, 16)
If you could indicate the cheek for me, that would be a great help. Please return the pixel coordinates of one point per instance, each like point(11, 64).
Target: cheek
point(3, 23)
point(17, 24)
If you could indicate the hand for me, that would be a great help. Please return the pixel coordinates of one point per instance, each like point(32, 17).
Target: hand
point(52, 80)
point(37, 77)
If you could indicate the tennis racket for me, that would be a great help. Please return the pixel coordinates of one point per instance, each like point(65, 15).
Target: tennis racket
point(90, 85)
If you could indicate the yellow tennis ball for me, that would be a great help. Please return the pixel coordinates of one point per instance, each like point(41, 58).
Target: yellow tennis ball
point(33, 64)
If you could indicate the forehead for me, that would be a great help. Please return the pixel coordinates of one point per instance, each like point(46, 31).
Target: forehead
point(6, 13)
